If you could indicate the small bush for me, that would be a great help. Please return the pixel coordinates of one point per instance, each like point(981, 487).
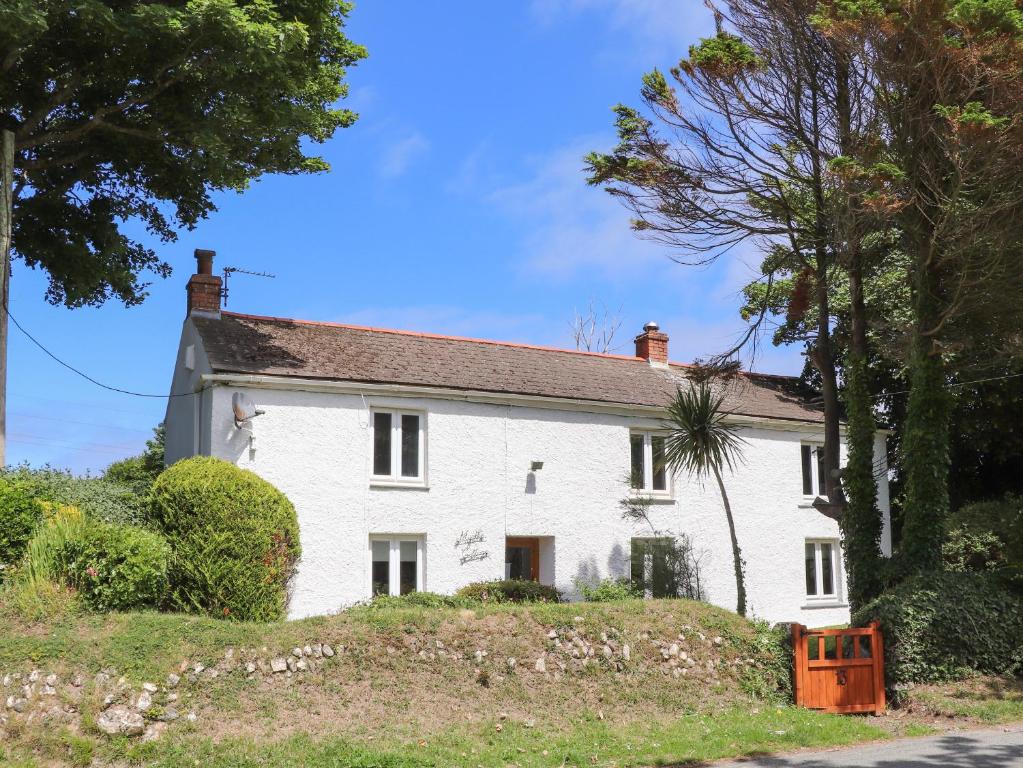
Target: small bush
point(115, 567)
point(608, 590)
point(510, 591)
point(234, 539)
point(19, 515)
point(985, 535)
point(417, 600)
point(943, 626)
point(97, 498)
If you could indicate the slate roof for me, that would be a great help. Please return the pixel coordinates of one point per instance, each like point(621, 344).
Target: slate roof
point(275, 346)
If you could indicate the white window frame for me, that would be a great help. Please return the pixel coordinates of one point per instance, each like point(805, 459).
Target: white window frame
point(836, 574)
point(816, 451)
point(647, 488)
point(394, 561)
point(396, 478)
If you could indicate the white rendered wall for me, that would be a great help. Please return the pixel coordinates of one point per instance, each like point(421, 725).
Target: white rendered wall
point(187, 410)
point(315, 447)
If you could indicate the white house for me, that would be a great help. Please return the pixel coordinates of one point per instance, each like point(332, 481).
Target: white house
point(426, 462)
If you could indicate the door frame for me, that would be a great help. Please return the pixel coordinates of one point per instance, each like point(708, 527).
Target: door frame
point(533, 544)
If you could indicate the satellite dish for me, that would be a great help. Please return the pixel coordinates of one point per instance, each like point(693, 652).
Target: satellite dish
point(244, 409)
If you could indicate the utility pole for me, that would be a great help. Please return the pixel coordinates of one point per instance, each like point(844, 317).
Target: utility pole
point(6, 217)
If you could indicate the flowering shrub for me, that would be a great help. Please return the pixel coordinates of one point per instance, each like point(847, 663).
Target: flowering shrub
point(115, 567)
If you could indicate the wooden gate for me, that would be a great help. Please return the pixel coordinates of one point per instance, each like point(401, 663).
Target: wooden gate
point(839, 670)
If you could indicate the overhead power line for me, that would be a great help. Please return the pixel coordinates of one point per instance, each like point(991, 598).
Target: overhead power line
point(86, 376)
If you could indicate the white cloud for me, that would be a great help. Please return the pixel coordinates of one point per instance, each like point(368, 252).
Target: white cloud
point(397, 158)
point(660, 27)
point(572, 227)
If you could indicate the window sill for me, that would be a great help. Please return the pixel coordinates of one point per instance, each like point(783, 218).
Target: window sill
point(653, 498)
point(825, 604)
point(418, 486)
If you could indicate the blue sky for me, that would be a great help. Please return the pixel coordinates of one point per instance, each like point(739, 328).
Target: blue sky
point(456, 204)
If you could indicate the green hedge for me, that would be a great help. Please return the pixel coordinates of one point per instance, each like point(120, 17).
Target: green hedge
point(115, 567)
point(234, 539)
point(97, 498)
point(510, 591)
point(943, 626)
point(19, 515)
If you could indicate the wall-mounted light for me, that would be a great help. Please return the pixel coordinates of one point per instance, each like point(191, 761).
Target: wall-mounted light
point(535, 466)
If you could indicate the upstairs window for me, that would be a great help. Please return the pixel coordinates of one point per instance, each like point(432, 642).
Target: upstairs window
point(814, 483)
point(821, 569)
point(647, 472)
point(399, 444)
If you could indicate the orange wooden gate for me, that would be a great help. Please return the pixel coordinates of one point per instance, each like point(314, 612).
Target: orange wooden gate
point(839, 670)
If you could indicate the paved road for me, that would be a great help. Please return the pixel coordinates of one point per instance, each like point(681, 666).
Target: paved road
point(999, 748)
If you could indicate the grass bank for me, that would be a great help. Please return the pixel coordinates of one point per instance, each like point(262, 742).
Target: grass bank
point(630, 683)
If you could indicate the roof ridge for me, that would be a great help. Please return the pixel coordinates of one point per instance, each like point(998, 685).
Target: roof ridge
point(439, 336)
point(473, 340)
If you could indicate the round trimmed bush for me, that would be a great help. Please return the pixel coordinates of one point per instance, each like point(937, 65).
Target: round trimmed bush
point(19, 515)
point(233, 536)
point(944, 626)
point(115, 567)
point(510, 591)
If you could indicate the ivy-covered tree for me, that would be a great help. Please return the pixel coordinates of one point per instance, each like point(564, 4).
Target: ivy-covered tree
point(140, 110)
point(945, 78)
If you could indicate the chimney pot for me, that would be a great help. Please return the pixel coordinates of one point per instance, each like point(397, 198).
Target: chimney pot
point(204, 261)
point(204, 288)
point(652, 345)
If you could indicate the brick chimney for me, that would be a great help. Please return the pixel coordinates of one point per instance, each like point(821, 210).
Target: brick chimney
point(652, 345)
point(204, 287)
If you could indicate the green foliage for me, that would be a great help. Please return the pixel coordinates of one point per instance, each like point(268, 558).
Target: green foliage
point(234, 538)
point(140, 472)
point(988, 17)
point(416, 600)
point(607, 590)
point(510, 591)
point(97, 498)
point(115, 567)
point(201, 97)
point(770, 676)
point(655, 88)
point(36, 592)
point(970, 550)
point(723, 55)
point(20, 512)
point(985, 536)
point(701, 440)
point(944, 626)
point(861, 521)
point(925, 441)
point(974, 114)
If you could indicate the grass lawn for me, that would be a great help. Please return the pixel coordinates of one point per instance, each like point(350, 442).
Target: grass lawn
point(988, 700)
point(589, 742)
point(629, 683)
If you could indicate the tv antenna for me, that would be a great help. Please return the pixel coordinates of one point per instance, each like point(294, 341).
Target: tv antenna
point(228, 271)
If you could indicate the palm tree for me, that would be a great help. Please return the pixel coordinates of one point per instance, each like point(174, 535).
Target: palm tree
point(701, 443)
